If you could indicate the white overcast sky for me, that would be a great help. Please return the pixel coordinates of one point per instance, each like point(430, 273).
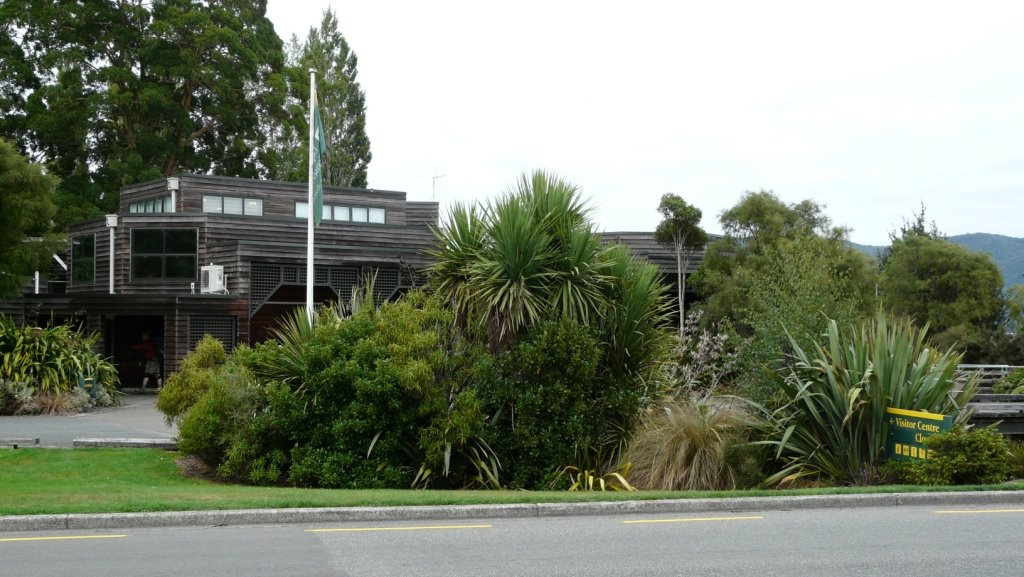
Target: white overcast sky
point(870, 108)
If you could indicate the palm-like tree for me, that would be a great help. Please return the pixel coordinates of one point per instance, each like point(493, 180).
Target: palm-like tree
point(533, 254)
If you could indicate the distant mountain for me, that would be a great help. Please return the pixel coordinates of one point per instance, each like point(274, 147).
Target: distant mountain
point(1006, 251)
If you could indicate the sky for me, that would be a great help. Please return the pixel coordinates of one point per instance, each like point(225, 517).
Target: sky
point(869, 108)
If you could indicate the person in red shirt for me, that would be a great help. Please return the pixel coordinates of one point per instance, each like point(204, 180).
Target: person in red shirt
point(152, 369)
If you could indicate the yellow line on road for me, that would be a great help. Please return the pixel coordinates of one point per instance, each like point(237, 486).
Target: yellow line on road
point(411, 528)
point(65, 538)
point(978, 511)
point(693, 520)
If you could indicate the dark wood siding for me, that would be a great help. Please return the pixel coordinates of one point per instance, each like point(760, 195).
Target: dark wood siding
point(143, 191)
point(279, 198)
point(642, 244)
point(421, 214)
point(398, 247)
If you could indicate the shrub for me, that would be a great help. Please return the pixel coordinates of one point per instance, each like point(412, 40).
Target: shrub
point(343, 403)
point(703, 359)
point(211, 424)
point(192, 380)
point(58, 403)
point(834, 425)
point(959, 457)
point(51, 359)
point(1012, 383)
point(550, 408)
point(685, 445)
point(1016, 448)
point(15, 397)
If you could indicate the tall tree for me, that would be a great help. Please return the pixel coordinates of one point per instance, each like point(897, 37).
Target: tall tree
point(342, 109)
point(758, 222)
point(680, 229)
point(121, 91)
point(780, 267)
point(804, 283)
point(942, 283)
point(26, 207)
point(533, 256)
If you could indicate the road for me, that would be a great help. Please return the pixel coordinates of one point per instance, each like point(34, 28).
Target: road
point(903, 541)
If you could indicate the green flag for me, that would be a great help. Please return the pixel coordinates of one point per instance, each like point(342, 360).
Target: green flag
point(319, 147)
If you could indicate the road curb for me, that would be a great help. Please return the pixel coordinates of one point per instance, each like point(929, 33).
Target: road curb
point(370, 514)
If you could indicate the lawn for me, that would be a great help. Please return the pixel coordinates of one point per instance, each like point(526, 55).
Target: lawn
point(40, 481)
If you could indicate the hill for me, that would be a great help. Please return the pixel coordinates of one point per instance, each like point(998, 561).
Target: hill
point(1006, 251)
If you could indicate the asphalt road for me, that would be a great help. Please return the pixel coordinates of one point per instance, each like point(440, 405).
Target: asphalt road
point(904, 541)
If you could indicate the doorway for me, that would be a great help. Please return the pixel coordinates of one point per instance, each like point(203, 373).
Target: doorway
point(125, 334)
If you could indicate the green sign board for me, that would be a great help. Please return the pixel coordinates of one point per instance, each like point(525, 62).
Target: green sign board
point(908, 430)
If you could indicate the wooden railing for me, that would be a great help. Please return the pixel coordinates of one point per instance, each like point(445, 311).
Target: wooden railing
point(1006, 412)
point(990, 374)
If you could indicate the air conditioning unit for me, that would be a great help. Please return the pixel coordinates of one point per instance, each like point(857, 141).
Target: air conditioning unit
point(212, 279)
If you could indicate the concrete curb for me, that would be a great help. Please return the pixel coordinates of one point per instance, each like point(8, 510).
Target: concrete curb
point(166, 444)
point(370, 514)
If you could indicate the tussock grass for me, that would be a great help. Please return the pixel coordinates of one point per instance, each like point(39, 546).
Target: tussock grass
point(682, 445)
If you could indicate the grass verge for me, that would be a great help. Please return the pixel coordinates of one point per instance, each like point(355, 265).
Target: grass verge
point(55, 481)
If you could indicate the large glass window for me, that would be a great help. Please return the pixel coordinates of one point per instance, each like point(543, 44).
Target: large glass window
point(83, 258)
point(377, 215)
point(301, 210)
point(358, 214)
point(164, 254)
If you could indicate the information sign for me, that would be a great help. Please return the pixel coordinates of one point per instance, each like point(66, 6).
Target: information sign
point(908, 430)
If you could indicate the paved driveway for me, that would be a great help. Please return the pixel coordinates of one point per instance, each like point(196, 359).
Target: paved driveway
point(136, 418)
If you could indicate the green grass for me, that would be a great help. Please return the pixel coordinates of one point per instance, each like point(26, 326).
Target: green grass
point(41, 481)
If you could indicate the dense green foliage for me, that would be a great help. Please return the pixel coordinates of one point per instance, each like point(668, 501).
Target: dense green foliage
point(108, 93)
point(26, 207)
point(941, 283)
point(534, 255)
point(192, 379)
point(959, 457)
point(48, 363)
point(376, 399)
point(780, 265)
point(395, 397)
point(757, 226)
point(552, 408)
point(803, 283)
point(1015, 307)
point(834, 426)
point(113, 92)
point(1012, 383)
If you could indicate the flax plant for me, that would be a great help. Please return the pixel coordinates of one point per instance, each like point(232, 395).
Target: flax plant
point(834, 425)
point(51, 359)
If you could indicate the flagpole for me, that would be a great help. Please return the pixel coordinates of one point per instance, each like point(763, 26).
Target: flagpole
point(310, 276)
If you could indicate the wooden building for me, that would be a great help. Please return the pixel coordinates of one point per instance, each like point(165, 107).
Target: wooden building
point(196, 255)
